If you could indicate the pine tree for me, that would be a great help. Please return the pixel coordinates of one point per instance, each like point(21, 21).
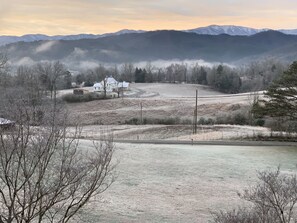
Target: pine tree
point(280, 100)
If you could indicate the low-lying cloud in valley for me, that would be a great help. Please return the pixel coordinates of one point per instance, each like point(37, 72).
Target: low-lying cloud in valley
point(78, 52)
point(25, 61)
point(166, 63)
point(84, 65)
point(43, 47)
point(158, 64)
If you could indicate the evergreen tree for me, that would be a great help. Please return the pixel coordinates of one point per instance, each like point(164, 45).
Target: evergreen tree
point(140, 75)
point(281, 97)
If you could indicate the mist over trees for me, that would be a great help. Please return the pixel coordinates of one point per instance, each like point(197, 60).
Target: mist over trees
point(254, 76)
point(158, 45)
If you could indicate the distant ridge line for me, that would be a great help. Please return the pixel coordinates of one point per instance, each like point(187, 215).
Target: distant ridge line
point(208, 30)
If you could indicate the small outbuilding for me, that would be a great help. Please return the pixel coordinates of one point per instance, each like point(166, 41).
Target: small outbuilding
point(123, 86)
point(5, 123)
point(80, 91)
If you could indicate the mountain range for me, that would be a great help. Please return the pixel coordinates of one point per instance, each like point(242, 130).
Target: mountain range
point(156, 45)
point(209, 30)
point(37, 37)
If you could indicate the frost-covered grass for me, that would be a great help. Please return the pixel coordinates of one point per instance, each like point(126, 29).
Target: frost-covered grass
point(183, 183)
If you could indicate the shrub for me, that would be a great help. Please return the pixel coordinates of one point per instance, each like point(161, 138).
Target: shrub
point(210, 121)
point(73, 98)
point(186, 121)
point(240, 119)
point(259, 122)
point(203, 121)
point(235, 119)
point(292, 126)
point(272, 199)
point(133, 121)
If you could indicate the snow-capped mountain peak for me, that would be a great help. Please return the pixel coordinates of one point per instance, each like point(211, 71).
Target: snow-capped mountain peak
point(226, 29)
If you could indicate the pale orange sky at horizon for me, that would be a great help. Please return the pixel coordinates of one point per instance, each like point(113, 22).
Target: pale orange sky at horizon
point(64, 17)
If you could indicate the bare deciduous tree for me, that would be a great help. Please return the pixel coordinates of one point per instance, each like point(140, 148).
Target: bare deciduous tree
point(3, 60)
point(44, 175)
point(50, 74)
point(236, 216)
point(273, 200)
point(127, 72)
point(5, 78)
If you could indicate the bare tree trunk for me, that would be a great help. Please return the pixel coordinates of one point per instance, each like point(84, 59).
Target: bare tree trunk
point(104, 87)
point(43, 173)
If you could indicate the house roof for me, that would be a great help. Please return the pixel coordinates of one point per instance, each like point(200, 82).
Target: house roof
point(111, 80)
point(99, 85)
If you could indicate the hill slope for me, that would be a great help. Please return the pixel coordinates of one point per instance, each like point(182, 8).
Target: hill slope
point(148, 46)
point(208, 30)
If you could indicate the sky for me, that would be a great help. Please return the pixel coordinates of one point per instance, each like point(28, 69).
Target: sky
point(63, 17)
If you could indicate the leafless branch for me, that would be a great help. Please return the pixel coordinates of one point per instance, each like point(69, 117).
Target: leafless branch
point(44, 175)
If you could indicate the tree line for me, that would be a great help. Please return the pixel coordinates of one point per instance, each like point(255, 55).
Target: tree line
point(254, 76)
point(251, 77)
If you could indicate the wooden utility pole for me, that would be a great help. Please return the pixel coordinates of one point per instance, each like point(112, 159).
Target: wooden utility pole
point(195, 114)
point(141, 113)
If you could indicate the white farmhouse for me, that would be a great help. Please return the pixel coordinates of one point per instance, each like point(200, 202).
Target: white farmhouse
point(110, 83)
point(98, 87)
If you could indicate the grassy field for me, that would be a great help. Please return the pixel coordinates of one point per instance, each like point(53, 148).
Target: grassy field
point(174, 183)
point(180, 183)
point(159, 101)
